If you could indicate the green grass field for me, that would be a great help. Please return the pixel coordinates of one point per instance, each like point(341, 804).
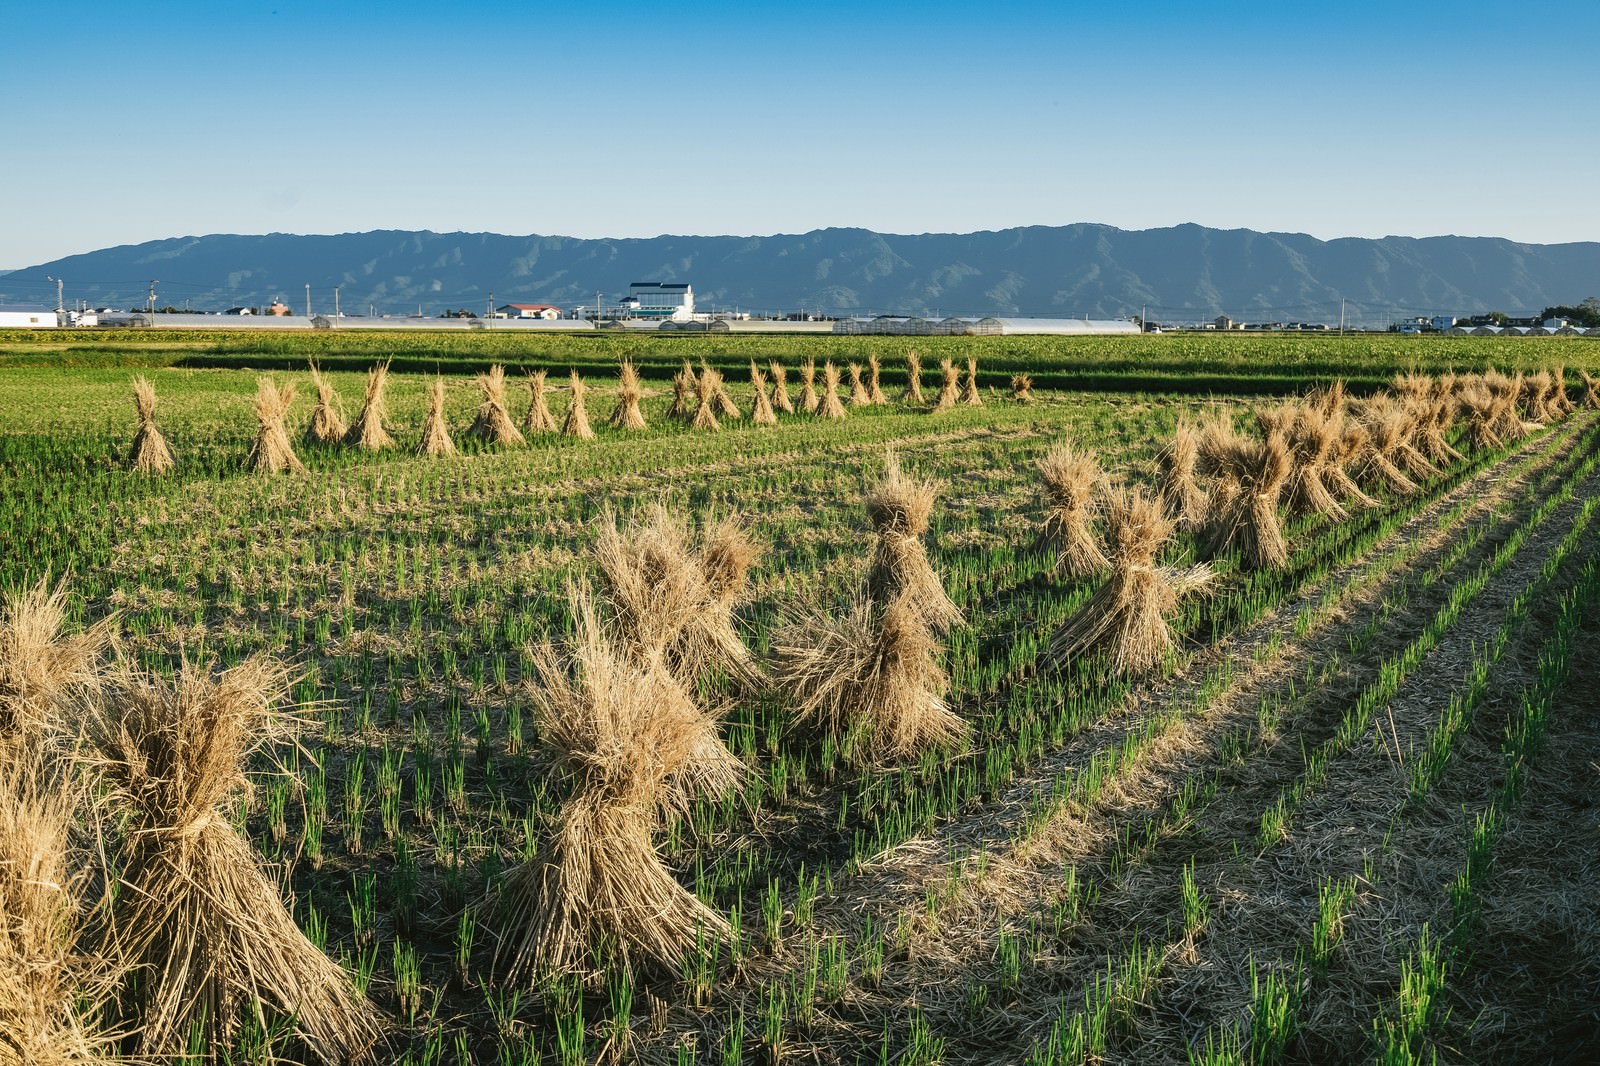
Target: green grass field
point(1251, 856)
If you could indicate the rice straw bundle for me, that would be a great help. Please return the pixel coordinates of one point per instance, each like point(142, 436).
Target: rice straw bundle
point(150, 453)
point(1380, 428)
point(725, 405)
point(949, 386)
point(859, 397)
point(1022, 388)
point(622, 731)
point(53, 989)
point(870, 679)
point(1536, 390)
point(762, 414)
point(1400, 427)
point(196, 912)
point(1182, 498)
point(1068, 480)
point(1126, 618)
point(683, 383)
point(1482, 409)
point(327, 425)
point(1508, 425)
point(1560, 400)
point(808, 393)
point(674, 602)
point(969, 395)
point(42, 668)
point(874, 384)
point(577, 422)
point(1313, 445)
point(913, 393)
point(1591, 391)
point(435, 433)
point(1329, 400)
point(493, 423)
point(829, 406)
point(780, 389)
point(272, 452)
point(899, 508)
point(706, 385)
point(1250, 474)
point(1436, 416)
point(539, 419)
point(1352, 445)
point(367, 431)
point(626, 414)
point(1411, 386)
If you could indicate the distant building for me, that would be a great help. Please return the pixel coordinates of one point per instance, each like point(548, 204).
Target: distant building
point(279, 308)
point(544, 311)
point(28, 316)
point(240, 311)
point(1440, 323)
point(660, 299)
point(1223, 322)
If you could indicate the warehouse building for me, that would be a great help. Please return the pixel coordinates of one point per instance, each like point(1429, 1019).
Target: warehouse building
point(28, 316)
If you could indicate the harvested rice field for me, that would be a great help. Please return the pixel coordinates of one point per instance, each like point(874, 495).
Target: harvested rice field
point(1047, 712)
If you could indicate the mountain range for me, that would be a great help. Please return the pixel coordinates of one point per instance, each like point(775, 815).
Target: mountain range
point(1179, 273)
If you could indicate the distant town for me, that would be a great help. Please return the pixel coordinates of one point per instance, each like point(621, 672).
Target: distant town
point(670, 306)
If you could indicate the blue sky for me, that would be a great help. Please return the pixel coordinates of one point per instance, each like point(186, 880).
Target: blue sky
point(134, 122)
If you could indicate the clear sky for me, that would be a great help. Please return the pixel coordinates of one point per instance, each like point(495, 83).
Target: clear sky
point(131, 122)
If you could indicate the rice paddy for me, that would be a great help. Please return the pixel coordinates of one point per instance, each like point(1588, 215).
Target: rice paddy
point(598, 703)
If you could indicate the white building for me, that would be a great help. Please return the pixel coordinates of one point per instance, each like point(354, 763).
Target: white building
point(27, 316)
point(660, 299)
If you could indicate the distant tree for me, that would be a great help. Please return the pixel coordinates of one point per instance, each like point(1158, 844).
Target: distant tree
point(1586, 314)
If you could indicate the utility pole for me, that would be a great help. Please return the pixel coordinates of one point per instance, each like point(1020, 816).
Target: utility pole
point(336, 304)
point(1341, 316)
point(308, 299)
point(60, 306)
point(488, 316)
point(597, 295)
point(153, 284)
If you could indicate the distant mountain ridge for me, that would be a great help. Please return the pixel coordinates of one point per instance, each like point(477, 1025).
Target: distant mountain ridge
point(1186, 271)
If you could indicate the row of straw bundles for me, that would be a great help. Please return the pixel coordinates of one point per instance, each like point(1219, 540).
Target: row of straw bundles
point(202, 937)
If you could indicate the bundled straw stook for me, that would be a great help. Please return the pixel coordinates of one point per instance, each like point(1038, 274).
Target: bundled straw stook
point(493, 423)
point(1393, 426)
point(1351, 445)
point(869, 679)
point(1182, 498)
point(1383, 426)
point(1482, 409)
point(705, 387)
point(830, 406)
point(621, 730)
point(809, 401)
point(1068, 480)
point(539, 419)
point(859, 397)
point(1313, 447)
point(1591, 391)
point(780, 389)
point(327, 425)
point(899, 508)
point(969, 394)
point(150, 453)
point(1022, 388)
point(43, 669)
point(367, 432)
point(1560, 399)
point(1435, 416)
point(949, 386)
point(627, 415)
point(683, 384)
point(577, 421)
point(196, 913)
point(1508, 425)
point(55, 992)
point(762, 414)
point(1250, 475)
point(435, 432)
point(726, 408)
point(1537, 390)
point(874, 381)
point(272, 453)
point(913, 394)
point(1126, 618)
point(674, 601)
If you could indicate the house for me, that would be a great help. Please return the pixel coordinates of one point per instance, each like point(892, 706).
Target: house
point(1222, 322)
point(660, 299)
point(545, 311)
point(240, 311)
point(278, 308)
point(28, 316)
